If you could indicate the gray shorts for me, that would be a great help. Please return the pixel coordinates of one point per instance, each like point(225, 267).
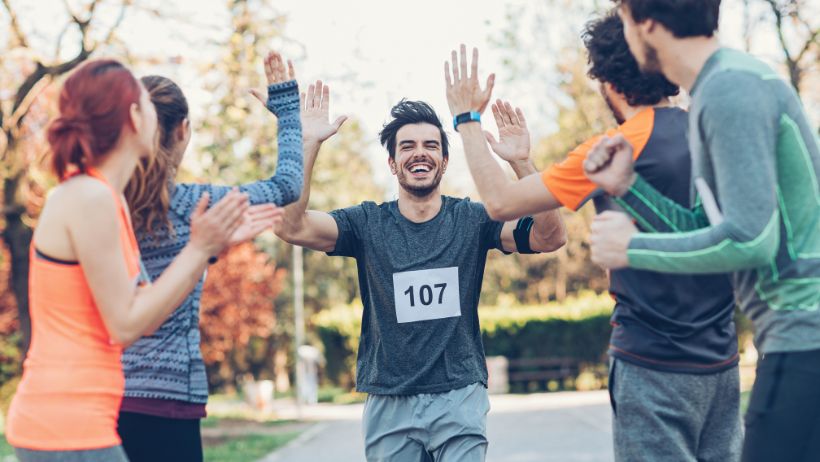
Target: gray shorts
point(112, 454)
point(666, 416)
point(429, 427)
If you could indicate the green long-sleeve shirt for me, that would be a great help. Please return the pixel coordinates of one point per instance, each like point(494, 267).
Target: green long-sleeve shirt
point(752, 144)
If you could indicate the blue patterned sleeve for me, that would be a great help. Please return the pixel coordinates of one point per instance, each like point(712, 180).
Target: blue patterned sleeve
point(285, 186)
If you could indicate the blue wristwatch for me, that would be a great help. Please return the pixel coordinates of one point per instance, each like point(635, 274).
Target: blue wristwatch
point(471, 116)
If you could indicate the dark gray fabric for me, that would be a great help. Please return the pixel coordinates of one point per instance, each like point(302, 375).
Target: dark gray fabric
point(666, 416)
point(427, 356)
point(112, 454)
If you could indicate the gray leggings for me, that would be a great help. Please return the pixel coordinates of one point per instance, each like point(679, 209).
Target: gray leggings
point(112, 454)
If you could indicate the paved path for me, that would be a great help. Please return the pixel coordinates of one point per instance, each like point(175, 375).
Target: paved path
point(565, 427)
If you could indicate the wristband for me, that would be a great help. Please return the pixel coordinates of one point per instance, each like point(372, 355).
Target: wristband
point(471, 116)
point(521, 234)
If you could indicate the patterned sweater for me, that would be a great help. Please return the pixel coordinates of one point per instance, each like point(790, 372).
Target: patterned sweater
point(168, 363)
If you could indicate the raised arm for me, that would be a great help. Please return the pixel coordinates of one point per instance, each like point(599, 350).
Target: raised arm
point(504, 199)
point(545, 231)
point(284, 187)
point(309, 228)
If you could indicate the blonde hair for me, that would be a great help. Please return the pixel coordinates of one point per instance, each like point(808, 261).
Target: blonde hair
point(149, 190)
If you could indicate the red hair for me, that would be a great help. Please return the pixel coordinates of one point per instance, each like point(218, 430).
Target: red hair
point(95, 104)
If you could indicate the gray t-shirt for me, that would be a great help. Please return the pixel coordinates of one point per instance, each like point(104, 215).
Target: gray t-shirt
point(420, 284)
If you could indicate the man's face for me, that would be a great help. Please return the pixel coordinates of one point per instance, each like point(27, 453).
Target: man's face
point(645, 54)
point(419, 161)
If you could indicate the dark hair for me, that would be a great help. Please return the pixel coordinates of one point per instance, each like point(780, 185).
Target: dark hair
point(684, 18)
point(406, 113)
point(610, 61)
point(148, 192)
point(95, 104)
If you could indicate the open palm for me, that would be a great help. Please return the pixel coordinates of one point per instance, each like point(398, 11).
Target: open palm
point(513, 136)
point(316, 124)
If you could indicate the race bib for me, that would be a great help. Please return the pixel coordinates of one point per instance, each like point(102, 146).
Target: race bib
point(426, 294)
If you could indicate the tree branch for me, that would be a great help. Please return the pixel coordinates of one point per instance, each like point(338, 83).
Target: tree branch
point(15, 26)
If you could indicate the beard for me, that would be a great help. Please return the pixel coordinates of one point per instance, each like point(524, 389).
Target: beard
point(419, 190)
point(615, 112)
point(651, 65)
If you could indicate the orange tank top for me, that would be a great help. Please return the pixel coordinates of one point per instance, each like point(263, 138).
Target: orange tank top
point(72, 385)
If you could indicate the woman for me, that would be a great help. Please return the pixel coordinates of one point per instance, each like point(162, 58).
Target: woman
point(85, 267)
point(166, 385)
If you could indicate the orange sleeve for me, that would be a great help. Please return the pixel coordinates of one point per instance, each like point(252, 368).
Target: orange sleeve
point(566, 180)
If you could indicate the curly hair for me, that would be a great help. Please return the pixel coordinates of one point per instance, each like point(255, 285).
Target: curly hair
point(611, 61)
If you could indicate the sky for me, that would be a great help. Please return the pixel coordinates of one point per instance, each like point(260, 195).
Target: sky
point(371, 52)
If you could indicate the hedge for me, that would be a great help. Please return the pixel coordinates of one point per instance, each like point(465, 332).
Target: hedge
point(577, 328)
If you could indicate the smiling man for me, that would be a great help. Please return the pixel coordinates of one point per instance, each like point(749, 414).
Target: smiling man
point(421, 263)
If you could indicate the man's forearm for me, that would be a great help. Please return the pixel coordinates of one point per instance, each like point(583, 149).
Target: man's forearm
point(548, 231)
point(295, 213)
point(488, 176)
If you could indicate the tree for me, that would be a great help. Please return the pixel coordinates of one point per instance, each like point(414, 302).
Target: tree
point(18, 123)
point(238, 319)
point(797, 36)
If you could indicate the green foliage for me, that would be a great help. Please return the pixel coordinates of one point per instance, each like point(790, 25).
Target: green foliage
point(577, 328)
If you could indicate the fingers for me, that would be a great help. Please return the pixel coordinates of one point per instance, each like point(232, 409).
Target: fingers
point(201, 206)
point(499, 120)
point(488, 92)
point(454, 64)
point(230, 209)
point(291, 71)
point(302, 98)
point(447, 78)
point(509, 114)
point(474, 67)
point(269, 69)
point(598, 156)
point(310, 94)
point(325, 102)
point(463, 61)
point(317, 95)
point(521, 119)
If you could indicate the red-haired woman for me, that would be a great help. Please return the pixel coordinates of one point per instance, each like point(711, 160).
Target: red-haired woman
point(85, 294)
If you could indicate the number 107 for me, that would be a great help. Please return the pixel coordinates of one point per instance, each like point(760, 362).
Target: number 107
point(426, 294)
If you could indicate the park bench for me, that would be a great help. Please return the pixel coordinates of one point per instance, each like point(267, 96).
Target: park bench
point(535, 374)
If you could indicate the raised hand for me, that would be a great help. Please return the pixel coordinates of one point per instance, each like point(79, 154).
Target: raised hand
point(513, 143)
point(257, 219)
point(609, 164)
point(316, 126)
point(275, 72)
point(609, 238)
point(212, 228)
point(464, 93)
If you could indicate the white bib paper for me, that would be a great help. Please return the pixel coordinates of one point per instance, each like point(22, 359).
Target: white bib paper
point(426, 294)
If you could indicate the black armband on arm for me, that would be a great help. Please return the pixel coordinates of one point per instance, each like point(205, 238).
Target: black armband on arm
point(521, 234)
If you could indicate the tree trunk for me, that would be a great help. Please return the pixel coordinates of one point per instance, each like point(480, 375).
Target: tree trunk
point(17, 237)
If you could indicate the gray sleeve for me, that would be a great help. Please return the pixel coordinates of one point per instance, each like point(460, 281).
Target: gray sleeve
point(351, 222)
point(738, 125)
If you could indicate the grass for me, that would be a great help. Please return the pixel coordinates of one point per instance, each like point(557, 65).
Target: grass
point(213, 421)
point(251, 447)
point(6, 451)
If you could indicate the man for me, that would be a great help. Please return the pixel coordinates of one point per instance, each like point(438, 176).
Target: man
point(421, 263)
point(674, 382)
point(755, 164)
